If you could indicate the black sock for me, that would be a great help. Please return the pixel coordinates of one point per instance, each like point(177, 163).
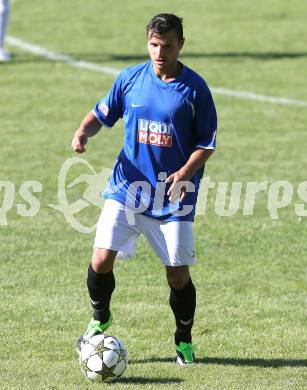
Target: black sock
point(183, 303)
point(100, 287)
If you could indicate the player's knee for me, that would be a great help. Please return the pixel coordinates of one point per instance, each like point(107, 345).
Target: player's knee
point(103, 260)
point(177, 277)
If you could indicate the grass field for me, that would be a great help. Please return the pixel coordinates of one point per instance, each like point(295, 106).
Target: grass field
point(250, 326)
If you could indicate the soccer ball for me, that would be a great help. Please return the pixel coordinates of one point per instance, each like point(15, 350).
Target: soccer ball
point(103, 358)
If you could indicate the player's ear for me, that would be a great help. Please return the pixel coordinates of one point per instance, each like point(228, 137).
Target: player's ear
point(181, 43)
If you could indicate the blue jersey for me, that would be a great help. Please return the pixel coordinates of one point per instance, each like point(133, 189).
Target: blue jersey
point(164, 123)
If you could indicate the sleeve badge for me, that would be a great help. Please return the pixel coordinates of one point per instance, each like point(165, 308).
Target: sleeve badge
point(103, 108)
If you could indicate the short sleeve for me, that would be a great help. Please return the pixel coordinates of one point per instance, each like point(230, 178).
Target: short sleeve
point(110, 108)
point(205, 119)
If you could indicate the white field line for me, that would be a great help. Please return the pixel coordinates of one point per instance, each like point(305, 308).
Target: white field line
point(58, 57)
point(53, 56)
point(261, 98)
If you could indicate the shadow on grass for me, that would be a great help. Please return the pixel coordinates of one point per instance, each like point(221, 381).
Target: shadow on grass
point(270, 363)
point(105, 57)
point(137, 380)
point(142, 57)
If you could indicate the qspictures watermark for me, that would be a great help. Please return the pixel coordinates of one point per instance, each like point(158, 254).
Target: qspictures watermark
point(228, 198)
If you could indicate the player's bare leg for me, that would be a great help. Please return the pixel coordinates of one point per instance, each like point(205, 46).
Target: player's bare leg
point(183, 302)
point(103, 260)
point(177, 277)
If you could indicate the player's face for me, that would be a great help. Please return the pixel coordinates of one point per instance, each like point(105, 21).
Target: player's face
point(164, 50)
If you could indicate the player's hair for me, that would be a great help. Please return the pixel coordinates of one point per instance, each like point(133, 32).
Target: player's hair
point(163, 23)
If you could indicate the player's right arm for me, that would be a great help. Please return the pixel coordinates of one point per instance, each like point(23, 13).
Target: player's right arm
point(88, 128)
point(105, 113)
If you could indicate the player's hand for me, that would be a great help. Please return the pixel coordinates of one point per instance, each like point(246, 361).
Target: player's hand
point(79, 141)
point(178, 188)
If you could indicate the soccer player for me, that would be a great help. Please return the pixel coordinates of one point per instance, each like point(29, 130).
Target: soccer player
point(4, 16)
point(170, 127)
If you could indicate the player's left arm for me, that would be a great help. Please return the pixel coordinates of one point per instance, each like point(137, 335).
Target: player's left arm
point(196, 161)
point(205, 120)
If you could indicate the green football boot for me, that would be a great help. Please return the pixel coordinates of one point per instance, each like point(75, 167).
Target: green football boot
point(185, 353)
point(94, 328)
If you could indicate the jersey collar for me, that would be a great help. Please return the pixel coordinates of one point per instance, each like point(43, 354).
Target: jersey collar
point(170, 83)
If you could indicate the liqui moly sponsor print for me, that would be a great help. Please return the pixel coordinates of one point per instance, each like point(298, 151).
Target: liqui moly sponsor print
point(155, 133)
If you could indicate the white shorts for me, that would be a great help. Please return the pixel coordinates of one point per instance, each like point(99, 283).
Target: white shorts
point(172, 241)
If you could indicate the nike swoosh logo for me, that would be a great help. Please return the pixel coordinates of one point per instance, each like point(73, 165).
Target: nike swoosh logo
point(186, 322)
point(136, 105)
point(94, 302)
